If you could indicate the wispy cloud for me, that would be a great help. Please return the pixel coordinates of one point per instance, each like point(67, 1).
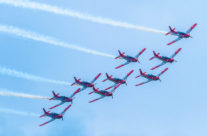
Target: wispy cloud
point(49, 40)
point(67, 12)
point(5, 92)
point(18, 74)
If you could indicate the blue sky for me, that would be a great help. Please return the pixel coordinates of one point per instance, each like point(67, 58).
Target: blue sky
point(176, 106)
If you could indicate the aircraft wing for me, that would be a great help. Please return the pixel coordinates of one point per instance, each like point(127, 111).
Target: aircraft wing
point(96, 78)
point(47, 122)
point(66, 109)
point(140, 53)
point(174, 41)
point(176, 53)
point(96, 99)
point(191, 28)
point(122, 65)
point(128, 74)
point(162, 72)
point(143, 83)
point(77, 91)
point(163, 63)
point(115, 87)
point(110, 87)
point(57, 105)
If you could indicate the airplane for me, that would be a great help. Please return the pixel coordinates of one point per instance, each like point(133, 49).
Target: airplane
point(117, 81)
point(150, 77)
point(53, 115)
point(63, 99)
point(85, 84)
point(180, 35)
point(129, 59)
point(103, 93)
point(164, 59)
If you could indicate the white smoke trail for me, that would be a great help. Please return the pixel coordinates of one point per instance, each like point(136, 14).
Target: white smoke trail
point(14, 73)
point(10, 111)
point(47, 39)
point(66, 12)
point(5, 92)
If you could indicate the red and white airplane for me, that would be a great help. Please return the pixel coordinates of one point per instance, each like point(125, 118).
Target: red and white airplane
point(150, 77)
point(128, 59)
point(54, 116)
point(117, 81)
point(180, 35)
point(164, 59)
point(103, 93)
point(63, 99)
point(85, 84)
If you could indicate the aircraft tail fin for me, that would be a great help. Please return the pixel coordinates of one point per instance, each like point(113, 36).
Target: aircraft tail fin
point(140, 70)
point(54, 95)
point(172, 30)
point(120, 54)
point(153, 56)
point(107, 77)
point(94, 89)
point(76, 80)
point(45, 113)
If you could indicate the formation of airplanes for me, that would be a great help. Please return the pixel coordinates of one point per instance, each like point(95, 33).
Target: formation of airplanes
point(117, 81)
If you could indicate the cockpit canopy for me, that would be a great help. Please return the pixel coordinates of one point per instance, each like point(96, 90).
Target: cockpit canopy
point(150, 75)
point(129, 57)
point(64, 97)
point(117, 79)
point(86, 83)
point(164, 57)
point(182, 33)
point(104, 91)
